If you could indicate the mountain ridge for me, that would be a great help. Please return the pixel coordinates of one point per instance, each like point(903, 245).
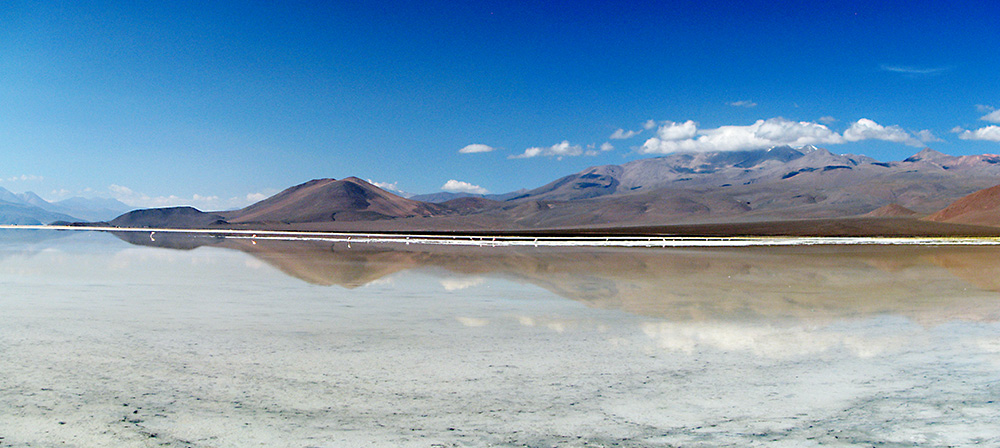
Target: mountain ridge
point(775, 184)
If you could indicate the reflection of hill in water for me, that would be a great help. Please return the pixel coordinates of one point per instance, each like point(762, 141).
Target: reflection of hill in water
point(929, 284)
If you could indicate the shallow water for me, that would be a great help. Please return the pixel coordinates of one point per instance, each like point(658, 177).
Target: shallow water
point(233, 343)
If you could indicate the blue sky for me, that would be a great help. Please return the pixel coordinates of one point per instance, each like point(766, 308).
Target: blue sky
point(215, 104)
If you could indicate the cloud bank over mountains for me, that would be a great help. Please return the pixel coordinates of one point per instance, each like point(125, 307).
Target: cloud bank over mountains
point(677, 137)
point(687, 136)
point(203, 202)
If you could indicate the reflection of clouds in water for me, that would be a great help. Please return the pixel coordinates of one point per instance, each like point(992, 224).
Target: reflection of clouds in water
point(129, 258)
point(25, 265)
point(557, 325)
point(990, 345)
point(457, 284)
point(872, 347)
point(388, 280)
point(253, 263)
point(766, 340)
point(472, 321)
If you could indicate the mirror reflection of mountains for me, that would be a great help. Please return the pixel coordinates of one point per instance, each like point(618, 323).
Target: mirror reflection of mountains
point(927, 284)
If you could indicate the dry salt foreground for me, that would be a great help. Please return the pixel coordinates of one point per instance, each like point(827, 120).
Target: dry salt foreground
point(295, 345)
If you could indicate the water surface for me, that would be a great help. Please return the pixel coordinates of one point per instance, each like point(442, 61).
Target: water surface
point(221, 342)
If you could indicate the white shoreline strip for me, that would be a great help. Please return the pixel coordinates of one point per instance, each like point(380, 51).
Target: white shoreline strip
point(581, 241)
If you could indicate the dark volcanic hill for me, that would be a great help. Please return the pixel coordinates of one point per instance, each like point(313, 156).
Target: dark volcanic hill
point(323, 200)
point(174, 217)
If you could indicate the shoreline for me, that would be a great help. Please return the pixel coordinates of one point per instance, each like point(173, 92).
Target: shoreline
point(499, 239)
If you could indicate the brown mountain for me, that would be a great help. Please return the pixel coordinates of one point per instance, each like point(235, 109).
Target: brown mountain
point(323, 200)
point(979, 208)
point(771, 184)
point(745, 187)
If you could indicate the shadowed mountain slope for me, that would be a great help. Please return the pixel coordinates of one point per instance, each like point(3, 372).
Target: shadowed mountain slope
point(175, 217)
point(891, 210)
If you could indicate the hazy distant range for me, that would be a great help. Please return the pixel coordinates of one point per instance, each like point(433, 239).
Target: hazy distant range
point(29, 209)
point(779, 190)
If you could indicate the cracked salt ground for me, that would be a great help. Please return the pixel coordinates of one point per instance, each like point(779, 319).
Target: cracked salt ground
point(106, 344)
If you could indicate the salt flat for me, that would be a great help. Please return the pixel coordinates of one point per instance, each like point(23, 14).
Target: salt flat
point(106, 343)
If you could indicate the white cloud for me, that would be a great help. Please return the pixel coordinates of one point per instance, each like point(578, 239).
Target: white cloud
point(674, 137)
point(927, 136)
point(558, 150)
point(743, 103)
point(677, 131)
point(984, 108)
point(827, 120)
point(201, 202)
point(256, 197)
point(606, 146)
point(390, 186)
point(865, 129)
point(992, 117)
point(61, 193)
point(914, 72)
point(24, 177)
point(989, 133)
point(622, 134)
point(119, 190)
point(476, 148)
point(457, 186)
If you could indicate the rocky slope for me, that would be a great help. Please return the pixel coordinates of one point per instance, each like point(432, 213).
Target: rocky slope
point(979, 208)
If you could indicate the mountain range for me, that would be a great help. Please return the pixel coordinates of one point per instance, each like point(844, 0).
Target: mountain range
point(778, 184)
point(30, 209)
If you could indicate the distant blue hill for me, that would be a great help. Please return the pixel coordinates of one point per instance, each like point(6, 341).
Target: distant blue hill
point(24, 214)
point(30, 209)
